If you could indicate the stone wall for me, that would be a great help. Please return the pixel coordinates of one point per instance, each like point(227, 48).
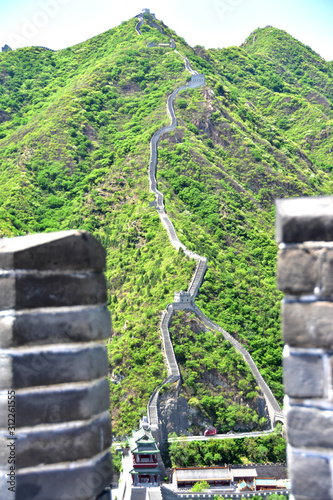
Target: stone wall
point(197, 80)
point(55, 430)
point(305, 275)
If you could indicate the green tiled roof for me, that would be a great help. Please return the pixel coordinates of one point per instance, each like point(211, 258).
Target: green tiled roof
point(142, 441)
point(148, 470)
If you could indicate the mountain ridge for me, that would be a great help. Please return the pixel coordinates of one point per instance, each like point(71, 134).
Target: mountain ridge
point(82, 162)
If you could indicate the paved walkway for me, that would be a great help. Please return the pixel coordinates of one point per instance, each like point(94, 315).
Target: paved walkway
point(274, 409)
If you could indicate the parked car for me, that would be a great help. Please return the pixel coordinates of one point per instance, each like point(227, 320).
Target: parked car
point(211, 431)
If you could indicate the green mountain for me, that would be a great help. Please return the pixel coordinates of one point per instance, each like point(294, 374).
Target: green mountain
point(75, 127)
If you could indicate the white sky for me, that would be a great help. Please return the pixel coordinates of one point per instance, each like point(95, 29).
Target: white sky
point(58, 24)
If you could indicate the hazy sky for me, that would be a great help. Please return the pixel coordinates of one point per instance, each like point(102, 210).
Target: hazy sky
point(213, 23)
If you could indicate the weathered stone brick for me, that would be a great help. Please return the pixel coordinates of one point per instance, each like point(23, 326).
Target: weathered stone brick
point(310, 477)
point(297, 271)
point(327, 274)
point(61, 325)
point(303, 375)
point(5, 371)
point(308, 324)
point(56, 404)
point(310, 427)
point(65, 250)
point(27, 291)
point(41, 367)
point(65, 443)
point(304, 219)
point(7, 291)
point(79, 481)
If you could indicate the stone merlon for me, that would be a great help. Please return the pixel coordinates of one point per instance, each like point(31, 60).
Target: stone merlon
point(53, 361)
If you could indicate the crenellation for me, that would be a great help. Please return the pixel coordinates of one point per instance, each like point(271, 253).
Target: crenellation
point(305, 275)
point(53, 326)
point(183, 297)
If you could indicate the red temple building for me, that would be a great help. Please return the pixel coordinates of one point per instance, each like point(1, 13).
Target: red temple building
point(144, 452)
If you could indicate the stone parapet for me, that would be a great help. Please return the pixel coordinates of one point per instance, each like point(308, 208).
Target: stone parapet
point(305, 274)
point(80, 480)
point(54, 394)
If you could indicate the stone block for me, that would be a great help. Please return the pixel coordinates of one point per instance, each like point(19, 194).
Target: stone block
point(56, 404)
point(48, 366)
point(7, 291)
point(310, 427)
point(5, 372)
point(304, 375)
point(297, 271)
point(61, 325)
point(308, 324)
point(65, 250)
point(326, 289)
point(310, 476)
point(59, 443)
point(304, 219)
point(28, 291)
point(83, 480)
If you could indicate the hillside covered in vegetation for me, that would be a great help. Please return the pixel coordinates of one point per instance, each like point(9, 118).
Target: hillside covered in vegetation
point(75, 127)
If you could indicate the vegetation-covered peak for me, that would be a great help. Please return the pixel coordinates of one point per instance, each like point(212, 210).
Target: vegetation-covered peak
point(75, 128)
point(273, 42)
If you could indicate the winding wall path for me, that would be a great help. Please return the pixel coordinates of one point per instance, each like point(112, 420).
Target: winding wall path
point(138, 26)
point(274, 409)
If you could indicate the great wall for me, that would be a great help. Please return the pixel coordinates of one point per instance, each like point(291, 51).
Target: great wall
point(185, 300)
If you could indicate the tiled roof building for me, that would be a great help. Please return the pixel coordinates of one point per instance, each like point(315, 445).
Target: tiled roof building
point(215, 476)
point(144, 453)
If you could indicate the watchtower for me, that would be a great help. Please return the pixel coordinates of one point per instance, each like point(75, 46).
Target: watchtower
point(5, 48)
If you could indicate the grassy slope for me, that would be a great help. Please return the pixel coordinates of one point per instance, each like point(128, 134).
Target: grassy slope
point(222, 176)
point(75, 148)
point(74, 137)
point(217, 384)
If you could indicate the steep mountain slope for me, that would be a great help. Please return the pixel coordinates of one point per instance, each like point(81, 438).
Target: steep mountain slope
point(307, 116)
point(74, 137)
point(222, 176)
point(78, 158)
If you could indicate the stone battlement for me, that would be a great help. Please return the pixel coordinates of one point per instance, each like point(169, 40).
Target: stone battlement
point(53, 367)
point(183, 296)
point(147, 11)
point(304, 231)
